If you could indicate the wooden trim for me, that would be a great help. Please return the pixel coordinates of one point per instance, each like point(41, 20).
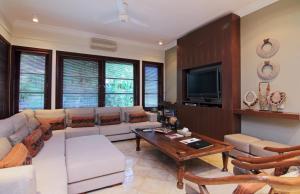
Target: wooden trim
point(15, 74)
point(282, 150)
point(60, 55)
point(160, 81)
point(268, 114)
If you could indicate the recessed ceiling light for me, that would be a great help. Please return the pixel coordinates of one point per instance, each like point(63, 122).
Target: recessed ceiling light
point(160, 43)
point(35, 19)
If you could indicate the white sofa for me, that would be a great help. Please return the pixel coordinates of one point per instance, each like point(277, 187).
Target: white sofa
point(71, 161)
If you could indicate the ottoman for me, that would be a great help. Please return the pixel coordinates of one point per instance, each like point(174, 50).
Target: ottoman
point(93, 162)
point(241, 144)
point(257, 148)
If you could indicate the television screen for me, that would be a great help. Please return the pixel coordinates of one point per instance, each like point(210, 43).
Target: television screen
point(203, 82)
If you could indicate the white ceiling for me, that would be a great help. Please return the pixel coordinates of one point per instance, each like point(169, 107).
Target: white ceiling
point(167, 20)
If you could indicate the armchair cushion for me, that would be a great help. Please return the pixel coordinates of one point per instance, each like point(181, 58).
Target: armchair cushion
point(257, 148)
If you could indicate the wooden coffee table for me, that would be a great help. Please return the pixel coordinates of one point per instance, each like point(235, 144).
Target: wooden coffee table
point(181, 152)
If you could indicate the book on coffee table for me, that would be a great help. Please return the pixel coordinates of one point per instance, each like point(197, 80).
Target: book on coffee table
point(174, 136)
point(199, 144)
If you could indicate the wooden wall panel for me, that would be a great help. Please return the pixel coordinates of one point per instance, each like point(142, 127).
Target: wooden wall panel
point(213, 43)
point(4, 78)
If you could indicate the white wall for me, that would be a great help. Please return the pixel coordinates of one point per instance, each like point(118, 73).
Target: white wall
point(58, 38)
point(282, 22)
point(171, 74)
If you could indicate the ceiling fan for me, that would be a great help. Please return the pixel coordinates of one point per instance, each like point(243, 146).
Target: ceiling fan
point(123, 16)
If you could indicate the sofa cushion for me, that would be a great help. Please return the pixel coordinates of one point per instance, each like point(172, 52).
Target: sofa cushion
point(33, 124)
point(114, 129)
point(6, 127)
point(240, 141)
point(17, 156)
point(257, 148)
point(34, 142)
point(19, 120)
point(136, 117)
point(19, 135)
point(5, 147)
point(82, 131)
point(57, 122)
point(79, 112)
point(52, 156)
point(80, 121)
point(18, 180)
point(106, 111)
point(111, 119)
point(129, 109)
point(144, 125)
point(52, 112)
point(28, 113)
point(85, 160)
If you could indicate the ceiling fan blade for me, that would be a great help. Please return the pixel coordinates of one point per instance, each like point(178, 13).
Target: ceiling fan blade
point(115, 20)
point(138, 22)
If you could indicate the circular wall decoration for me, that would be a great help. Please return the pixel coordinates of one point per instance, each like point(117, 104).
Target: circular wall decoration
point(268, 70)
point(268, 48)
point(250, 99)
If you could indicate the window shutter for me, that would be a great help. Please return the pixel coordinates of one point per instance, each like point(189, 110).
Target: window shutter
point(32, 81)
point(151, 86)
point(80, 83)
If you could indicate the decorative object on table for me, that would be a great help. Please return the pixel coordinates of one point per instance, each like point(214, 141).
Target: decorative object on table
point(268, 70)
point(276, 100)
point(263, 95)
point(185, 132)
point(267, 48)
point(173, 122)
point(250, 99)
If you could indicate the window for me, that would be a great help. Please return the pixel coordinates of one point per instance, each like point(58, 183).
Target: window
point(95, 81)
point(152, 84)
point(80, 83)
point(32, 78)
point(119, 84)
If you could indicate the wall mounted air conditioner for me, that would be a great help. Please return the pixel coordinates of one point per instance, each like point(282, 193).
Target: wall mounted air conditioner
point(103, 44)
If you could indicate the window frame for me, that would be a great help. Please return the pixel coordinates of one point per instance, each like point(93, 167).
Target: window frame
point(160, 81)
point(15, 77)
point(61, 55)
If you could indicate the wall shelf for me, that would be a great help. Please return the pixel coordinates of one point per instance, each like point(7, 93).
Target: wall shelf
point(268, 114)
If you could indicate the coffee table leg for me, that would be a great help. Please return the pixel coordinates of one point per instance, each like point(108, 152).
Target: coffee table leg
point(180, 174)
point(225, 156)
point(138, 142)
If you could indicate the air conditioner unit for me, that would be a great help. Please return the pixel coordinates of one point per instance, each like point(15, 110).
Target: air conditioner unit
point(103, 44)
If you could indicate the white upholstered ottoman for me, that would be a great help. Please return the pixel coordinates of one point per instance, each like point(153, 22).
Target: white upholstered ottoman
point(93, 162)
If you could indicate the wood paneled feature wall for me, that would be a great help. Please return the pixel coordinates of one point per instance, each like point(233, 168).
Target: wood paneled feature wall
point(4, 77)
point(216, 42)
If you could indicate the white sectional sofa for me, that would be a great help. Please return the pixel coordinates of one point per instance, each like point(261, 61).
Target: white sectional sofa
point(72, 160)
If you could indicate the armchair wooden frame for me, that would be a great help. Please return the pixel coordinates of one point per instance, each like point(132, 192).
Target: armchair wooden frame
point(281, 163)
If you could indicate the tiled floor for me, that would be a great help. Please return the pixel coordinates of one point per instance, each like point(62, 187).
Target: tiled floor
point(151, 172)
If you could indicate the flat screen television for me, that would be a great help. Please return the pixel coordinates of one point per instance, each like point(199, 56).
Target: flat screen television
point(204, 85)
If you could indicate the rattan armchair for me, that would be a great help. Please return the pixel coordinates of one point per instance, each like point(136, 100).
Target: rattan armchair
point(282, 185)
